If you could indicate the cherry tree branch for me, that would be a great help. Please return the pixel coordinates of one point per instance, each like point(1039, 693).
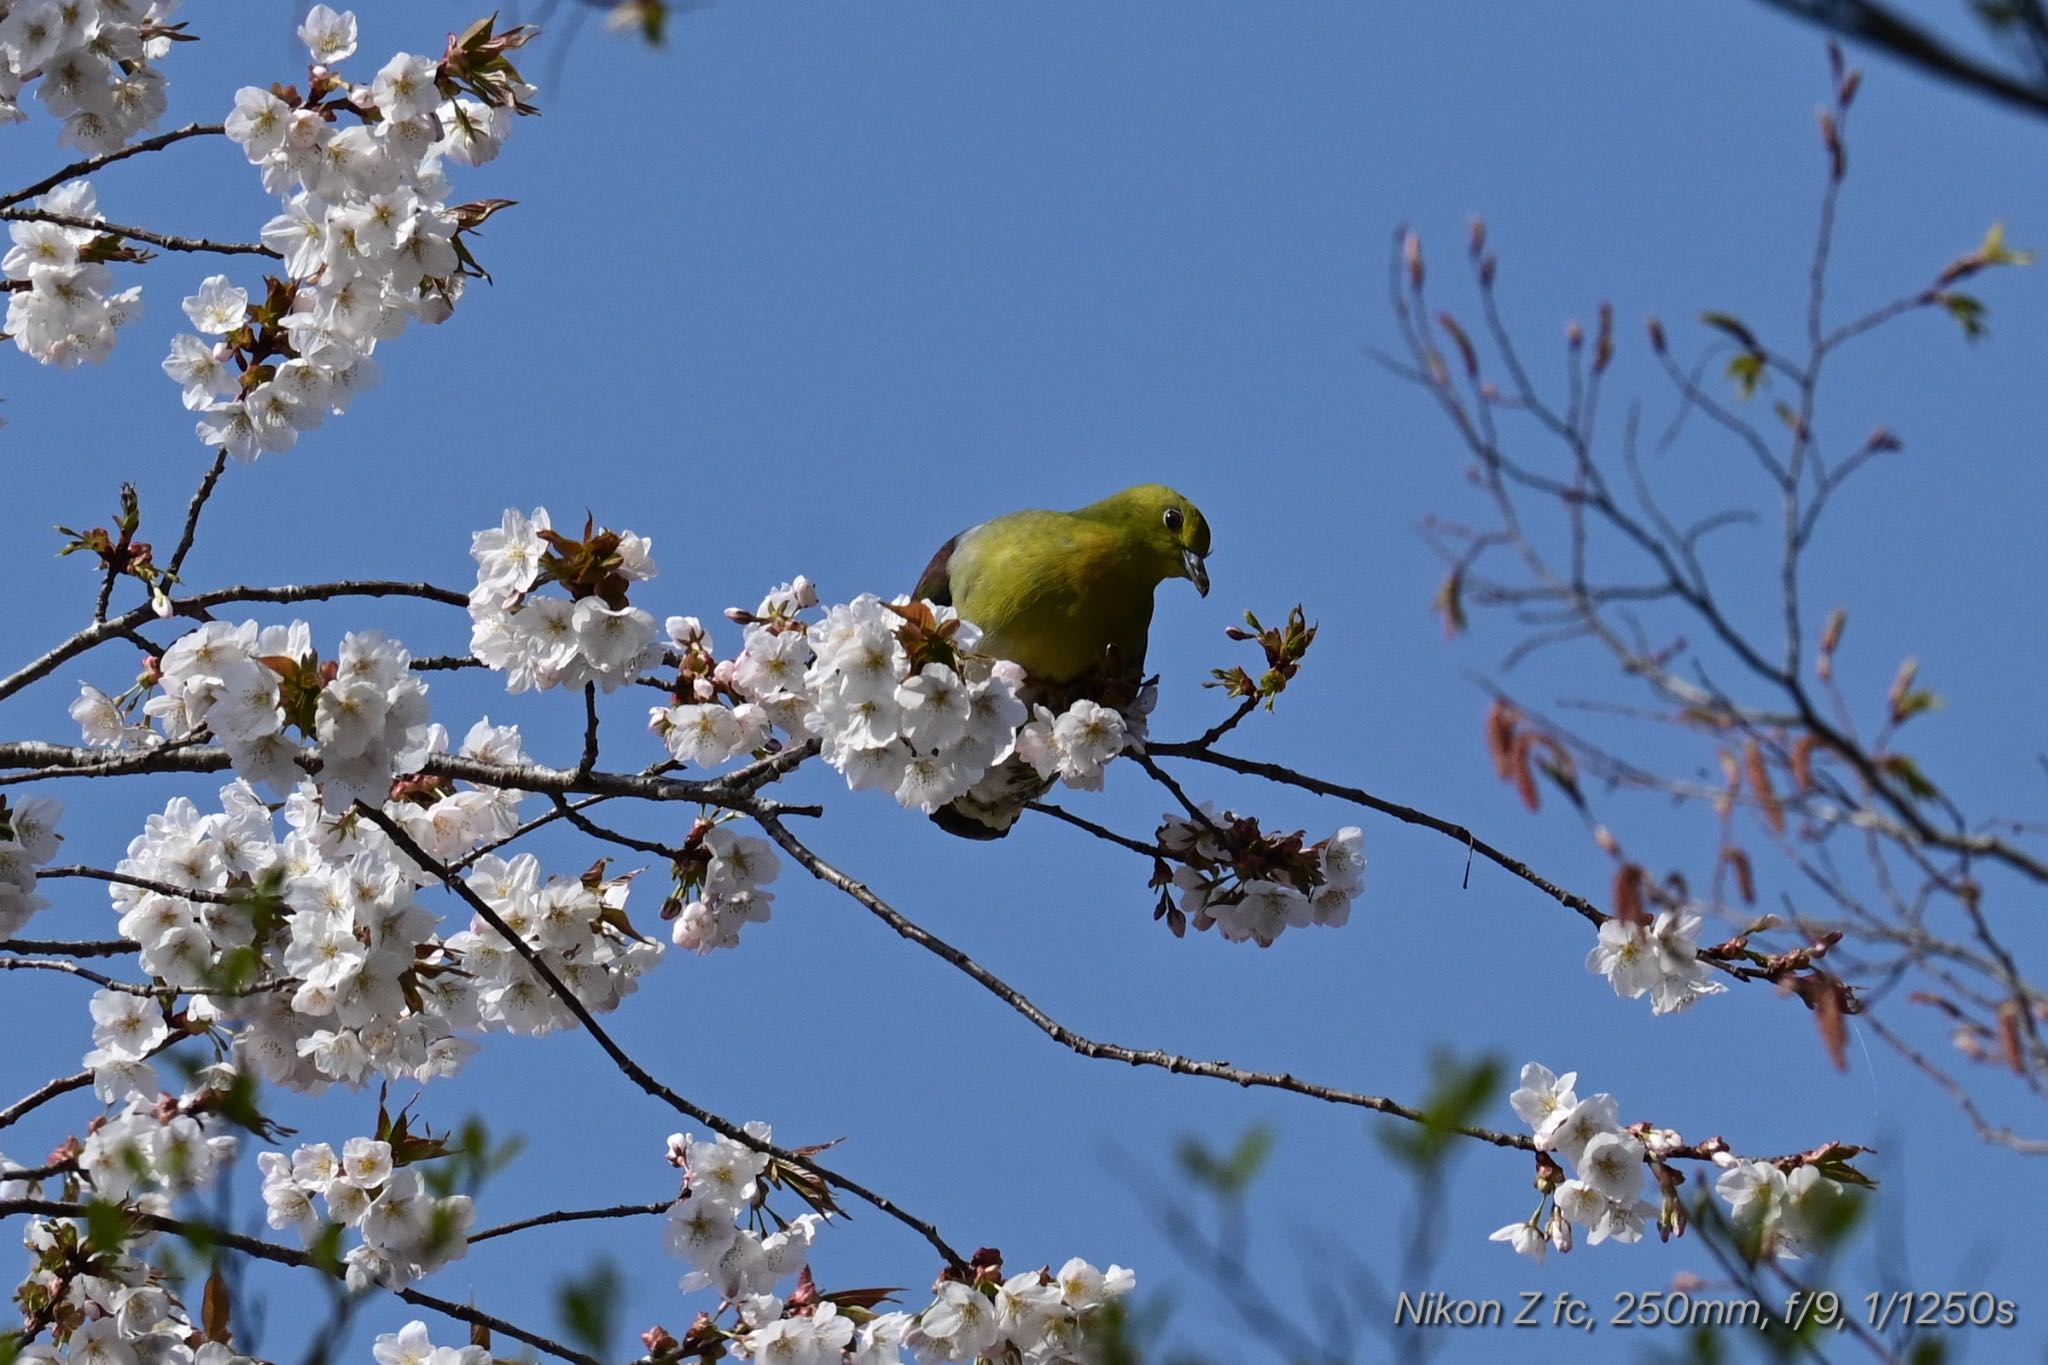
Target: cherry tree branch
point(152, 991)
point(569, 1216)
point(36, 760)
point(1894, 33)
point(631, 1069)
point(1171, 1062)
point(93, 163)
point(198, 605)
point(211, 1235)
point(36, 1099)
point(163, 239)
point(100, 874)
point(64, 1085)
point(200, 495)
point(112, 947)
point(1102, 832)
point(1274, 772)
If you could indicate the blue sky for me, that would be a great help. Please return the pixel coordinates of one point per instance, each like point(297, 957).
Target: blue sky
point(817, 286)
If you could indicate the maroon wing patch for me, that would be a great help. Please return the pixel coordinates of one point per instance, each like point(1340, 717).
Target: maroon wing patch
point(935, 584)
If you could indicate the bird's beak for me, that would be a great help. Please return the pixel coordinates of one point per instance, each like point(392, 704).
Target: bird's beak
point(1197, 571)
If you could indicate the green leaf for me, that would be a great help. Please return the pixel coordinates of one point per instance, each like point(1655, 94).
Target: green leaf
point(589, 1308)
point(325, 1250)
point(1909, 776)
point(1458, 1093)
point(106, 1226)
point(1913, 703)
point(1968, 312)
point(1928, 1351)
point(1996, 252)
point(1747, 370)
point(1231, 1173)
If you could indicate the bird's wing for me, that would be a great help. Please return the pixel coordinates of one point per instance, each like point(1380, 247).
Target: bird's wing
point(935, 584)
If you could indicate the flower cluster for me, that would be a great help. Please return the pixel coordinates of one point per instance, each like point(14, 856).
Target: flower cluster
point(368, 237)
point(106, 1304)
point(723, 888)
point(1786, 1213)
point(592, 636)
point(158, 1144)
point(893, 692)
point(325, 908)
point(314, 950)
point(93, 60)
point(62, 308)
point(576, 925)
point(28, 840)
point(700, 728)
point(1784, 1206)
point(246, 685)
point(127, 1030)
point(900, 702)
point(406, 1231)
point(1605, 1196)
point(722, 1189)
point(1037, 1317)
point(1251, 885)
point(1074, 745)
point(1034, 1318)
point(1660, 959)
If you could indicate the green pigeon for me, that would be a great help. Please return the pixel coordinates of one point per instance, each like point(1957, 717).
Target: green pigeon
point(1067, 596)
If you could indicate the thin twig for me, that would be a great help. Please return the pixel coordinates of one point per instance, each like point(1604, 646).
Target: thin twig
point(162, 239)
point(1408, 814)
point(100, 874)
point(588, 763)
point(42, 761)
point(1075, 1042)
point(569, 1216)
point(1916, 46)
point(197, 605)
point(211, 1235)
point(631, 1069)
point(1099, 831)
point(198, 504)
point(36, 1099)
point(93, 163)
point(112, 947)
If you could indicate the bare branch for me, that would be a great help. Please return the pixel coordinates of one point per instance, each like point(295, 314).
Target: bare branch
point(211, 1235)
point(162, 239)
point(631, 1069)
point(569, 1216)
point(198, 604)
point(1273, 772)
point(93, 163)
point(197, 505)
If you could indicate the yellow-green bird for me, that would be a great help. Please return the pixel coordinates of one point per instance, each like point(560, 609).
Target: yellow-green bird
point(1067, 595)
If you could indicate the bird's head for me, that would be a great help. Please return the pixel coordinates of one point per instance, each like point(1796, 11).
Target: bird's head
point(1171, 531)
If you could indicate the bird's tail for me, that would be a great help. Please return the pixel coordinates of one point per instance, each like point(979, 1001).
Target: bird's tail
point(997, 800)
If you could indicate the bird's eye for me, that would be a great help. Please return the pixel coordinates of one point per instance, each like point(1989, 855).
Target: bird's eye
point(1173, 520)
